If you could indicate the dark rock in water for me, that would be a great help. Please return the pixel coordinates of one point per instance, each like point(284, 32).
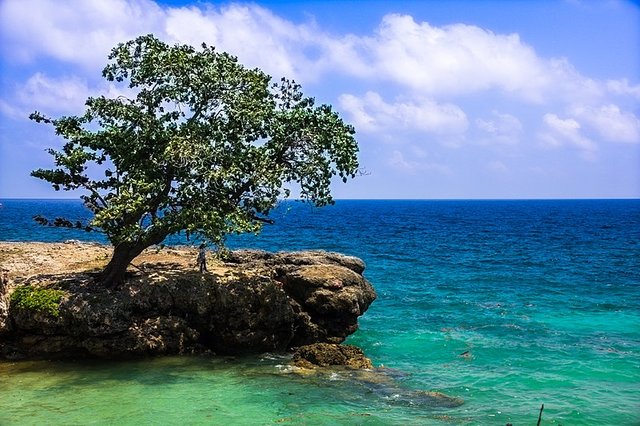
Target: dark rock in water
point(328, 354)
point(271, 302)
point(436, 399)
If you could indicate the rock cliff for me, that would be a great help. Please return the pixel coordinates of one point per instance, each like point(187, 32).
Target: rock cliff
point(260, 302)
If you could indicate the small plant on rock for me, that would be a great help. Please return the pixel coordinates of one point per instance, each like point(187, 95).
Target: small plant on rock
point(44, 300)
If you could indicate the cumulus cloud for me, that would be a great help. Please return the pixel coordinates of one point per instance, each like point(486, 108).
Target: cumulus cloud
point(567, 132)
point(622, 87)
point(434, 61)
point(501, 128)
point(57, 95)
point(356, 107)
point(371, 113)
point(49, 95)
point(254, 34)
point(62, 95)
point(610, 122)
point(452, 59)
point(398, 161)
point(425, 65)
point(458, 59)
point(80, 32)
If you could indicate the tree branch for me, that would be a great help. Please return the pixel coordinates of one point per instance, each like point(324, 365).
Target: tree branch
point(263, 219)
point(95, 192)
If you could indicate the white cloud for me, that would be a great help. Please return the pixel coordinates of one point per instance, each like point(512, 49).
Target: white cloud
point(453, 59)
point(566, 84)
point(610, 122)
point(497, 167)
point(622, 87)
point(501, 128)
point(51, 96)
point(567, 132)
point(458, 59)
point(399, 162)
point(425, 65)
point(59, 95)
point(254, 34)
point(434, 61)
point(371, 113)
point(56, 96)
point(80, 32)
point(356, 107)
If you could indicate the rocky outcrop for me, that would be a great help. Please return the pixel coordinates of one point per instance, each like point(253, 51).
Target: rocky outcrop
point(269, 302)
point(329, 354)
point(292, 259)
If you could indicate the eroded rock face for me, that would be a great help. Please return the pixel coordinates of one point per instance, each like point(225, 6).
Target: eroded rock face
point(331, 298)
point(277, 301)
point(4, 303)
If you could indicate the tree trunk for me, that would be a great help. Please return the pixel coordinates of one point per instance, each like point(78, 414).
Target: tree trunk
point(114, 273)
point(123, 253)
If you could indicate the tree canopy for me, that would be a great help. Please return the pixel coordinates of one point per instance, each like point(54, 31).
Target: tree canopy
point(203, 145)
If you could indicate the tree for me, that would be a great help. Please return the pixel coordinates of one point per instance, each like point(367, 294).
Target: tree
point(205, 146)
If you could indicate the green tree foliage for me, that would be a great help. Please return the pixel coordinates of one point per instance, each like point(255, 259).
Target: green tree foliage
point(207, 146)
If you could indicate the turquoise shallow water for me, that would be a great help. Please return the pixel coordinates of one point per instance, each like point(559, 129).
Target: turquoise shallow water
point(544, 296)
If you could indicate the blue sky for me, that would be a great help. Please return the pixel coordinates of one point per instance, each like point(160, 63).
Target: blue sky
point(450, 99)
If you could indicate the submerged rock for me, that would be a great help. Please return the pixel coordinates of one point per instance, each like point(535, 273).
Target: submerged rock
point(434, 398)
point(345, 368)
point(267, 302)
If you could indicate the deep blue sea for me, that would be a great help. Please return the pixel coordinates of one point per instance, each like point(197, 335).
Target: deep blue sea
point(542, 296)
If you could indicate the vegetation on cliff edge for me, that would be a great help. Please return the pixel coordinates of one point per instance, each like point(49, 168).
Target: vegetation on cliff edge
point(44, 300)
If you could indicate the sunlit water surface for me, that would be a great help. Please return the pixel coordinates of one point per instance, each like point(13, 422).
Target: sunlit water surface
point(541, 297)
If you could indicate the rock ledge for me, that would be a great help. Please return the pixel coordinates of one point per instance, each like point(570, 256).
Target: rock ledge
point(256, 302)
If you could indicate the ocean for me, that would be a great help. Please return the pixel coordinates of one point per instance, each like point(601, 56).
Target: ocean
point(506, 304)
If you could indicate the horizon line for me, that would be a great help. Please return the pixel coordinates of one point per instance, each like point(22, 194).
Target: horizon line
point(387, 199)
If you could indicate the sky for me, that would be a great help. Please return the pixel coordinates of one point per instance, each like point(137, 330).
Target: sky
point(450, 99)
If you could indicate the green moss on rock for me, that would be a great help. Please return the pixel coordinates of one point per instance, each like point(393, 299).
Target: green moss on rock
point(44, 300)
